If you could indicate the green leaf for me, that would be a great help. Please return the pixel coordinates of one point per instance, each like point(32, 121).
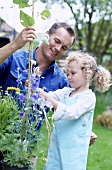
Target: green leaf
point(22, 3)
point(26, 20)
point(45, 14)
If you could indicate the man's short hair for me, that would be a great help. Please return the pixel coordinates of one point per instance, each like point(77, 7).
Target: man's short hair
point(64, 25)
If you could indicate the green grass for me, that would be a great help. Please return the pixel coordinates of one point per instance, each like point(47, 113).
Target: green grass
point(100, 105)
point(100, 154)
point(42, 148)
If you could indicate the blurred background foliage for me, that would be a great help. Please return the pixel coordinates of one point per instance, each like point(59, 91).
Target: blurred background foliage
point(92, 22)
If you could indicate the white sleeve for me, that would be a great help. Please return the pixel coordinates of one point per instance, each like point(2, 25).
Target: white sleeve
point(58, 94)
point(83, 105)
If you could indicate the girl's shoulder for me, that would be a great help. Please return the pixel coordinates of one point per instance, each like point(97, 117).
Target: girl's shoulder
point(88, 95)
point(67, 90)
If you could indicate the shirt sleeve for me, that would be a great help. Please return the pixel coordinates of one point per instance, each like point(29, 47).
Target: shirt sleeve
point(83, 105)
point(5, 66)
point(58, 94)
point(64, 82)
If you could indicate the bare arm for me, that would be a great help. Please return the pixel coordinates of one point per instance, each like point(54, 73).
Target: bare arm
point(26, 35)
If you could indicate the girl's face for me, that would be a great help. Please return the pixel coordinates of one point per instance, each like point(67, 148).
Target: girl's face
point(75, 76)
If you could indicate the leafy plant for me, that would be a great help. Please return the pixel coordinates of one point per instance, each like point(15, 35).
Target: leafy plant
point(20, 117)
point(12, 148)
point(26, 19)
point(22, 3)
point(8, 112)
point(20, 114)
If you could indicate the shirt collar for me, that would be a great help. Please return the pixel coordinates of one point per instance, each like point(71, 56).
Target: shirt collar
point(52, 65)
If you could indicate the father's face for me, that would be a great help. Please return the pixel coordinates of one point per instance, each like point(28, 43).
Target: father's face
point(59, 42)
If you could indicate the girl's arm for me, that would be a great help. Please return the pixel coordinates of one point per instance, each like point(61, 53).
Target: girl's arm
point(48, 97)
point(84, 104)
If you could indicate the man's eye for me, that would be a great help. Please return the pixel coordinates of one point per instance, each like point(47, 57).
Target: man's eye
point(56, 40)
point(64, 48)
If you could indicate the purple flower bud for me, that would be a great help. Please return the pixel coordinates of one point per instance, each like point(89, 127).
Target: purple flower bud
point(21, 96)
point(21, 114)
point(35, 96)
point(35, 80)
point(25, 72)
point(18, 81)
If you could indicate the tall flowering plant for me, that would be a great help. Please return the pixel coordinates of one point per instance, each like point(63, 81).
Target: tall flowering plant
point(21, 111)
point(19, 133)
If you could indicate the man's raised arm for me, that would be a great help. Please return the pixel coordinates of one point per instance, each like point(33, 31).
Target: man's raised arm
point(26, 35)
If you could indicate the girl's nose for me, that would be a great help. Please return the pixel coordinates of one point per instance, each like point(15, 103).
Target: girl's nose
point(69, 77)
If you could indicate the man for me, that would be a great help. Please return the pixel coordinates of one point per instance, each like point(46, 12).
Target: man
point(61, 37)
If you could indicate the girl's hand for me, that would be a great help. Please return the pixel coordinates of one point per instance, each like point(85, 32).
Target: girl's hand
point(48, 97)
point(43, 93)
point(92, 138)
point(26, 83)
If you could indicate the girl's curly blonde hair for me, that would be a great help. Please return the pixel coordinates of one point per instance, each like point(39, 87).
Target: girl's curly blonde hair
point(91, 71)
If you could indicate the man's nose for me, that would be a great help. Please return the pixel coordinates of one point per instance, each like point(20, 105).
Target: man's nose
point(58, 47)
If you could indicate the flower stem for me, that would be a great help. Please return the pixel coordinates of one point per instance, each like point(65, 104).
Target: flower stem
point(29, 76)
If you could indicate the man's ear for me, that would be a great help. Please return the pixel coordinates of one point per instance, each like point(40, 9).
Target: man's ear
point(47, 32)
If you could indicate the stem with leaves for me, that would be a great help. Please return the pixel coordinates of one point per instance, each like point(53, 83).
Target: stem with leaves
point(29, 74)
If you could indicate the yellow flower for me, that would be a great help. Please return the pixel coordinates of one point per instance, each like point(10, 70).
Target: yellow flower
point(13, 88)
point(17, 89)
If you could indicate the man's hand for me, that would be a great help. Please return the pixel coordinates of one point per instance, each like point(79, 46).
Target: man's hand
point(27, 35)
point(92, 138)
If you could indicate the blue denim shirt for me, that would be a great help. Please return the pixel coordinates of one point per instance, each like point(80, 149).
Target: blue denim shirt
point(51, 79)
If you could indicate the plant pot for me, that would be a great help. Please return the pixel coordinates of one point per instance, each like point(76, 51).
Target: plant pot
point(5, 166)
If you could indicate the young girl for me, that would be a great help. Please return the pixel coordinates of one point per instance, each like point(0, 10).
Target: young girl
point(74, 109)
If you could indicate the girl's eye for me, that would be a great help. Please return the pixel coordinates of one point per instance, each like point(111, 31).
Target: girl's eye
point(73, 72)
point(67, 74)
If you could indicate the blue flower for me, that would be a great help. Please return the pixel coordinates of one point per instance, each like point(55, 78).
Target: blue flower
point(31, 117)
point(21, 96)
point(35, 80)
point(35, 96)
point(25, 72)
point(21, 114)
point(19, 81)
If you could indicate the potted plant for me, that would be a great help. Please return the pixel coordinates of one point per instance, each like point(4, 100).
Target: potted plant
point(20, 115)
